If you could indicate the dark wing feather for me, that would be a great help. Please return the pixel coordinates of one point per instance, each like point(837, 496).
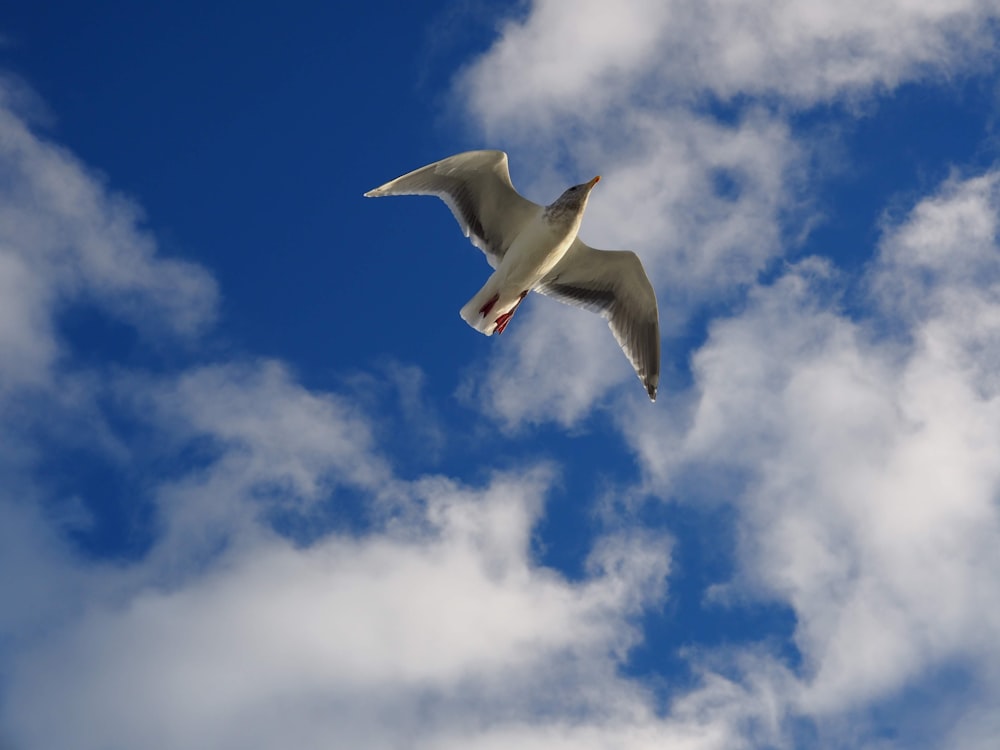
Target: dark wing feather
point(614, 284)
point(476, 187)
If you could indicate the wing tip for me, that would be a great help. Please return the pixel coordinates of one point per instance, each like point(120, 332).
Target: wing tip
point(652, 382)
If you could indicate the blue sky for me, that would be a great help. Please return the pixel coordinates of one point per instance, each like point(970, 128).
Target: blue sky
point(262, 487)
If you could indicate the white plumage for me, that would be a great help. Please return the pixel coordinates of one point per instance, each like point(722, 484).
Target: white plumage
point(536, 248)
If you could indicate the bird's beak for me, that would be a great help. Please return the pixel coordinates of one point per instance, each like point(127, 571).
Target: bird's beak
point(593, 182)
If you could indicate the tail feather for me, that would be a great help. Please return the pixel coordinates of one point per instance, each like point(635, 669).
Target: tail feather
point(471, 314)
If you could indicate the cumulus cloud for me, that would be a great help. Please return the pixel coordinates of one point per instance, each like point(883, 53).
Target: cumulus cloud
point(448, 614)
point(552, 64)
point(707, 199)
point(433, 619)
point(866, 450)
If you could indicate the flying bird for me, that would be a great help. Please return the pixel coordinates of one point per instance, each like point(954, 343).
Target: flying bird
point(536, 248)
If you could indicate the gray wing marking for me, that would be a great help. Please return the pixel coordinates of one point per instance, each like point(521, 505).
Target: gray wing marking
point(613, 284)
point(595, 300)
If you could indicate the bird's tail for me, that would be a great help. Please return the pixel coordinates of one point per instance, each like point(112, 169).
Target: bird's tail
point(480, 312)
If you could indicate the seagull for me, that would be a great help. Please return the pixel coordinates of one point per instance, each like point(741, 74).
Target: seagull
point(536, 248)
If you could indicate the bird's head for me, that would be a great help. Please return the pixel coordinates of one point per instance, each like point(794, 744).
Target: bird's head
point(569, 206)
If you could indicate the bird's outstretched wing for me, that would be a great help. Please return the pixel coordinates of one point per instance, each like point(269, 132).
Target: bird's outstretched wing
point(614, 284)
point(476, 187)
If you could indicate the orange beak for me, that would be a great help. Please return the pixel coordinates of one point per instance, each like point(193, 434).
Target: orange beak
point(594, 182)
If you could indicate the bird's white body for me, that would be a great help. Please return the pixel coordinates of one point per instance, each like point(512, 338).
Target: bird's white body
point(536, 250)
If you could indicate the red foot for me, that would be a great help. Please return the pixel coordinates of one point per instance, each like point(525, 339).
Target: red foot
point(489, 304)
point(504, 319)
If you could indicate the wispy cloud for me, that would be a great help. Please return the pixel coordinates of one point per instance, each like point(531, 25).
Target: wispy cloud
point(65, 239)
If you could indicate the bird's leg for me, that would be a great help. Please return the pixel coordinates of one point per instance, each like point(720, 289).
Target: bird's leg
point(504, 319)
point(489, 304)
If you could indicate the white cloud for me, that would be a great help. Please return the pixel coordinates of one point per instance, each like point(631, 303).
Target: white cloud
point(223, 633)
point(448, 608)
point(559, 60)
point(704, 201)
point(869, 467)
point(256, 441)
point(587, 62)
point(65, 238)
